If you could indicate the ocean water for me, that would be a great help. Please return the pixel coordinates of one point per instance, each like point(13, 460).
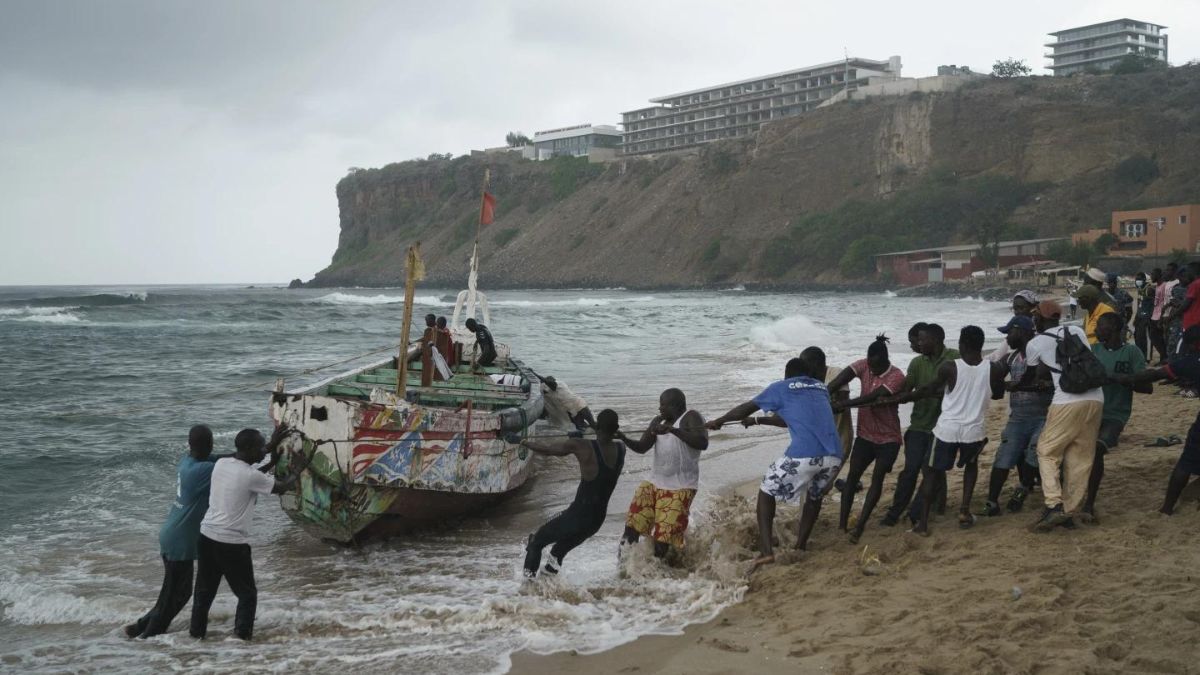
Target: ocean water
point(101, 385)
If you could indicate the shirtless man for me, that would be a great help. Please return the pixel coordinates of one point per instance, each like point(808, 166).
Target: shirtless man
point(812, 459)
point(661, 505)
point(600, 464)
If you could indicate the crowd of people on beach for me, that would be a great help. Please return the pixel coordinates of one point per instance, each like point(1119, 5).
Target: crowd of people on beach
point(1070, 391)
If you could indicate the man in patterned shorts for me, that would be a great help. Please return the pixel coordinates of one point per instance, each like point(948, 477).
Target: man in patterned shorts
point(661, 505)
point(811, 461)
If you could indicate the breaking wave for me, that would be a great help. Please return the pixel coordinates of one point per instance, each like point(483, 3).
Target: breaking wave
point(788, 334)
point(352, 299)
point(59, 315)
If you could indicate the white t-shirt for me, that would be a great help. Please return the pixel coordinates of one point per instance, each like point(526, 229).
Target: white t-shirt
point(231, 499)
point(1041, 350)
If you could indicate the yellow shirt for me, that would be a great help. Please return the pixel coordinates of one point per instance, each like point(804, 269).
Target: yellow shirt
point(1089, 324)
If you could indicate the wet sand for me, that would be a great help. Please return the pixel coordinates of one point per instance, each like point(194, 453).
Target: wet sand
point(1116, 597)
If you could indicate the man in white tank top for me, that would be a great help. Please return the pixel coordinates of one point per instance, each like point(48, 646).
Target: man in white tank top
point(661, 505)
point(969, 383)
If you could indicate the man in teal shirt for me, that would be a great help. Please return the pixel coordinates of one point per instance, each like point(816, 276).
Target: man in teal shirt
point(179, 534)
point(929, 340)
point(1119, 358)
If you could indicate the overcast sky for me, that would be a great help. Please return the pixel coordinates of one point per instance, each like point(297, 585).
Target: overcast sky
point(173, 142)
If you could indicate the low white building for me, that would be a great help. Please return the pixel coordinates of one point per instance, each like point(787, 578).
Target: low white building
point(597, 142)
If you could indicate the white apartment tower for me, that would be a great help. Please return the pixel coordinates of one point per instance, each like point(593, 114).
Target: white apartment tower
point(1101, 46)
point(690, 118)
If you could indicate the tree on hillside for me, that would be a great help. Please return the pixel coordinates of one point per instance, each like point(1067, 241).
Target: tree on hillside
point(1136, 63)
point(516, 139)
point(1010, 67)
point(1105, 242)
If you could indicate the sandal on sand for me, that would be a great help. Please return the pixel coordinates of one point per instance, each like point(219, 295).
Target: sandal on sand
point(966, 520)
point(1174, 440)
point(1160, 442)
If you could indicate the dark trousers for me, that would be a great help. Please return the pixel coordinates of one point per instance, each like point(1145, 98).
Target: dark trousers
point(231, 561)
point(174, 596)
point(566, 531)
point(918, 445)
point(1141, 335)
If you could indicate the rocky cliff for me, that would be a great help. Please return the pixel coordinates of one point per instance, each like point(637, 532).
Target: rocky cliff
point(807, 200)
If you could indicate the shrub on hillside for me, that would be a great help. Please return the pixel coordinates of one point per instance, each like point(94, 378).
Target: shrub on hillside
point(1136, 170)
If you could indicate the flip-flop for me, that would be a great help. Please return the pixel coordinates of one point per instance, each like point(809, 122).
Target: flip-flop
point(966, 520)
point(1174, 440)
point(1160, 442)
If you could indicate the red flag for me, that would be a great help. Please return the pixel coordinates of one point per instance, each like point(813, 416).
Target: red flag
point(487, 210)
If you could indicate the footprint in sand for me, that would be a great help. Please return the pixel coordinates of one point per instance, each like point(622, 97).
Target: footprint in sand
point(724, 645)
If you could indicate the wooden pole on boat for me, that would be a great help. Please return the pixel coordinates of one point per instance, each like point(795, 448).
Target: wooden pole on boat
point(414, 270)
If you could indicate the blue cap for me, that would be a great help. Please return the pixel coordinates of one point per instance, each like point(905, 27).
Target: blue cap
point(1018, 321)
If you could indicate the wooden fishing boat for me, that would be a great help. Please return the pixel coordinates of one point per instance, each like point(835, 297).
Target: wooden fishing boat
point(390, 454)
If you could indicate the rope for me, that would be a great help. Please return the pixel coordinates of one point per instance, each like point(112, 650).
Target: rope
point(203, 397)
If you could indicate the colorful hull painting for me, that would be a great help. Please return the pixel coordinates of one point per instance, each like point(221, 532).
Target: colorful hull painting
point(383, 467)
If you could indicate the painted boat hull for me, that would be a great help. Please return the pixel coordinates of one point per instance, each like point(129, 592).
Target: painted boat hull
point(383, 467)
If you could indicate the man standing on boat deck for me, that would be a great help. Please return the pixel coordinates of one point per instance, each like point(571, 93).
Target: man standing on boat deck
point(179, 534)
point(483, 341)
point(812, 459)
point(224, 546)
point(600, 463)
point(661, 505)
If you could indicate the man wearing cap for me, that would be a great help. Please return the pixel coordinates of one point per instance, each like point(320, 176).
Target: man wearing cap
point(1185, 365)
point(1096, 277)
point(1119, 358)
point(1027, 407)
point(1023, 304)
point(1068, 438)
point(1089, 300)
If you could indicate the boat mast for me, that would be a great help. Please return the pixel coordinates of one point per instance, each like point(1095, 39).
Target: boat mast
point(473, 276)
point(414, 270)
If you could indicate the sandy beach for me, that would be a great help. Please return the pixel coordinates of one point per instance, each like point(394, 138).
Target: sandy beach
point(1116, 597)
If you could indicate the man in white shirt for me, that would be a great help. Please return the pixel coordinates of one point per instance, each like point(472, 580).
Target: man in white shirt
point(1068, 438)
point(564, 406)
point(224, 547)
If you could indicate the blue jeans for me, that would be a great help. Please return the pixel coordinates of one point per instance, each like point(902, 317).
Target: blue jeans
point(1018, 441)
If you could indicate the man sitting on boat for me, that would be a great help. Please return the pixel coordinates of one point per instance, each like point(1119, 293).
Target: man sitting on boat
point(600, 464)
point(564, 407)
point(445, 342)
point(427, 338)
point(483, 342)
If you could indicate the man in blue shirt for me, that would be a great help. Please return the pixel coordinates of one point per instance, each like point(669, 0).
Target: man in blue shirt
point(179, 534)
point(800, 402)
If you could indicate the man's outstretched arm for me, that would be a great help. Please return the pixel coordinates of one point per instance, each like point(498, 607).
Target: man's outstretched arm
point(737, 413)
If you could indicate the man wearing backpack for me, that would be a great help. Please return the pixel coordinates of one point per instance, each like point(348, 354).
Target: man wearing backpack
point(1068, 438)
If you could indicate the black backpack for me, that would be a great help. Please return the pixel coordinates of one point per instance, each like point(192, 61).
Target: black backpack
point(1080, 370)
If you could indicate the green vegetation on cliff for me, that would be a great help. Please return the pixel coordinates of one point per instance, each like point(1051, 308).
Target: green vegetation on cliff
point(808, 199)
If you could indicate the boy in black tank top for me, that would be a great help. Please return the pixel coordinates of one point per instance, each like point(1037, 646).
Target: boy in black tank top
point(600, 464)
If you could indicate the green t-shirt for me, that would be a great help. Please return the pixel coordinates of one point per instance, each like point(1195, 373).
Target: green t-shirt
point(921, 371)
point(1126, 360)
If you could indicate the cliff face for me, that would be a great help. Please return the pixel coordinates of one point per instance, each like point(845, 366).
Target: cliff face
point(798, 202)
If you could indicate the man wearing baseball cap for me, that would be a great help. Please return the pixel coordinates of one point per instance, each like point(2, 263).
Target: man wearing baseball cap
point(1027, 407)
point(1184, 365)
point(1090, 300)
point(1068, 438)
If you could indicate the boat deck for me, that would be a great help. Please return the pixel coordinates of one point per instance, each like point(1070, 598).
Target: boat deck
point(465, 385)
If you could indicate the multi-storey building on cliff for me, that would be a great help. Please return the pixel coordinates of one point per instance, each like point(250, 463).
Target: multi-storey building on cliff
point(1101, 46)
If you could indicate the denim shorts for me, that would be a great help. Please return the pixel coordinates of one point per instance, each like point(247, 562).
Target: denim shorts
point(1018, 440)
